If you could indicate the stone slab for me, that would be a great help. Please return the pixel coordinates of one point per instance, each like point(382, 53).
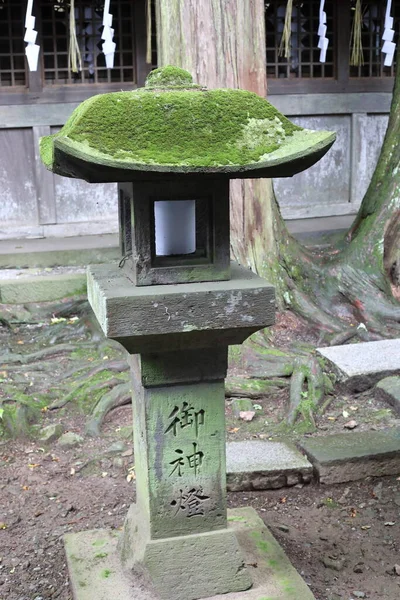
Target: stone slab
point(388, 390)
point(360, 366)
point(95, 571)
point(354, 455)
point(41, 288)
point(256, 465)
point(170, 317)
point(66, 251)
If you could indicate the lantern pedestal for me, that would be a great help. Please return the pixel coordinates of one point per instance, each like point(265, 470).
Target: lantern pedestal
point(177, 532)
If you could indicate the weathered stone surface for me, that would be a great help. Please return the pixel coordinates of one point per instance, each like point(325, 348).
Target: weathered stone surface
point(179, 459)
point(360, 366)
point(388, 390)
point(51, 433)
point(352, 456)
point(70, 440)
point(41, 289)
point(193, 366)
point(168, 317)
point(96, 574)
point(257, 465)
point(241, 404)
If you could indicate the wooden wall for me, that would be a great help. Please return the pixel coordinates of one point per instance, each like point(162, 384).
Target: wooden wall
point(34, 202)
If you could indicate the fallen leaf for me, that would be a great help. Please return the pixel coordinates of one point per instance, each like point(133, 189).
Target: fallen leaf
point(331, 418)
point(72, 471)
point(350, 425)
point(283, 500)
point(345, 414)
point(390, 523)
point(25, 488)
point(353, 513)
point(44, 409)
point(33, 465)
point(354, 408)
point(104, 474)
point(247, 415)
point(365, 527)
point(234, 430)
point(257, 406)
point(21, 342)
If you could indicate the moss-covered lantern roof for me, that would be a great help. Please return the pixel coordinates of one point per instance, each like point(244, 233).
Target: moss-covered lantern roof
point(173, 126)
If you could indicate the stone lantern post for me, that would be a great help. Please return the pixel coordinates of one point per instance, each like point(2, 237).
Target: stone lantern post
point(176, 302)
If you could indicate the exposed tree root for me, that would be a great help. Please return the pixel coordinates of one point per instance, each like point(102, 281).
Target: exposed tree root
point(80, 382)
point(117, 396)
point(25, 359)
point(307, 389)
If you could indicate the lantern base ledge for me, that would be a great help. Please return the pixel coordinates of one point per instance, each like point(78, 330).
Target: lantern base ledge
point(96, 571)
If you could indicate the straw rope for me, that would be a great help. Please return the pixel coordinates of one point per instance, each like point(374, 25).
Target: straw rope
point(284, 47)
point(74, 53)
point(357, 53)
point(149, 31)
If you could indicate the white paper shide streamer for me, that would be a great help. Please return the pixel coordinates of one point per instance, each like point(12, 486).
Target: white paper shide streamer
point(389, 47)
point(107, 35)
point(31, 49)
point(323, 41)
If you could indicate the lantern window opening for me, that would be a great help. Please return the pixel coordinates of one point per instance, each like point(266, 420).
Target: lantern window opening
point(181, 232)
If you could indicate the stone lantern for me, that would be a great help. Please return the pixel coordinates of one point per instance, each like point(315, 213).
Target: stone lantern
point(176, 302)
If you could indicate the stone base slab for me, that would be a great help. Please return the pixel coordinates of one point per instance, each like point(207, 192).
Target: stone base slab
point(96, 574)
point(353, 456)
point(256, 465)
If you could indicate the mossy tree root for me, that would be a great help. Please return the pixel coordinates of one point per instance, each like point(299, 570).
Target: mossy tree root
point(307, 389)
point(118, 396)
point(117, 366)
point(25, 359)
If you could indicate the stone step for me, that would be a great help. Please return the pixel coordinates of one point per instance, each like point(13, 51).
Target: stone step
point(53, 252)
point(354, 455)
point(388, 390)
point(360, 366)
point(258, 465)
point(20, 286)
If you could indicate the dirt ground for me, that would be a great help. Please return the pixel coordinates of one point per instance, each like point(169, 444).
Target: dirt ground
point(343, 539)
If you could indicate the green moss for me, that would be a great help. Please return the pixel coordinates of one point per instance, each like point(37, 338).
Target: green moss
point(201, 128)
point(98, 543)
point(106, 573)
point(330, 503)
point(169, 76)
